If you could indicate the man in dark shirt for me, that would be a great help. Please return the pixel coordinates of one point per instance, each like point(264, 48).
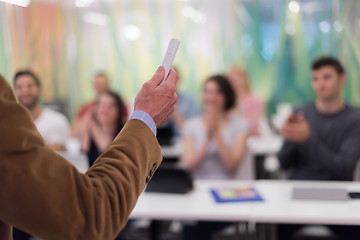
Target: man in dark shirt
point(322, 138)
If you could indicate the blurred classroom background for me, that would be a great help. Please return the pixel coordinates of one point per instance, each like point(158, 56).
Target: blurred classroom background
point(67, 42)
point(274, 40)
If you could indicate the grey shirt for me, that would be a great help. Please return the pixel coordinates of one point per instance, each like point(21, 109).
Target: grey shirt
point(332, 151)
point(211, 166)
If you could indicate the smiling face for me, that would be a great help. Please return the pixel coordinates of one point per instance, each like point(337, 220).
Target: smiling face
point(107, 110)
point(327, 83)
point(27, 91)
point(213, 98)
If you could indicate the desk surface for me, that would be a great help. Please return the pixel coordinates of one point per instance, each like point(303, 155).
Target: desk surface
point(278, 206)
point(196, 205)
point(79, 160)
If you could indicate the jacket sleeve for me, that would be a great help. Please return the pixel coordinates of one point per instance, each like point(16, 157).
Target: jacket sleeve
point(44, 195)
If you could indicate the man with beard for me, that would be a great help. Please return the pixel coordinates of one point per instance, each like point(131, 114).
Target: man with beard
point(53, 126)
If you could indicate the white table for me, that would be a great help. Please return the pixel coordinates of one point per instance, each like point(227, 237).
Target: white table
point(79, 160)
point(278, 206)
point(196, 205)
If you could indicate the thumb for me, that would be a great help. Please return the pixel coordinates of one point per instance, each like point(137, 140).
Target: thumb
point(292, 117)
point(158, 76)
point(300, 117)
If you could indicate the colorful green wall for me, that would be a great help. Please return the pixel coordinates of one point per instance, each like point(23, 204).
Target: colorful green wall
point(66, 45)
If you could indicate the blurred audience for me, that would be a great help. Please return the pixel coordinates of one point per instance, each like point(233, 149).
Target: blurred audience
point(53, 126)
point(215, 141)
point(101, 128)
point(185, 108)
point(101, 84)
point(250, 106)
point(322, 138)
point(215, 145)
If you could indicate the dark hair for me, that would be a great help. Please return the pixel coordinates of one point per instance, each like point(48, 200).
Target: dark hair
point(330, 62)
point(225, 88)
point(120, 106)
point(29, 73)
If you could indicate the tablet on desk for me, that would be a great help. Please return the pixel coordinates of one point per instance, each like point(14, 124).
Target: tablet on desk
point(235, 194)
point(322, 194)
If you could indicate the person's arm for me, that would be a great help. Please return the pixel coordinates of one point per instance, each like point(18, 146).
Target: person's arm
point(231, 156)
point(5, 231)
point(290, 131)
point(254, 115)
point(78, 128)
point(340, 164)
point(192, 157)
point(85, 133)
point(287, 155)
point(44, 195)
point(101, 140)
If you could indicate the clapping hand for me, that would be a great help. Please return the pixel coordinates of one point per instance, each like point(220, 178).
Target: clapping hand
point(296, 128)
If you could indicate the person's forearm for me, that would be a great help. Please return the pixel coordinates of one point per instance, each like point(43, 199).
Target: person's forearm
point(227, 155)
point(102, 141)
point(287, 155)
point(254, 120)
point(91, 206)
point(193, 159)
point(340, 164)
point(80, 127)
point(5, 231)
point(47, 197)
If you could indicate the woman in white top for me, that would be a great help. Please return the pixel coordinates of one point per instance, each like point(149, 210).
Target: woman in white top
point(215, 146)
point(215, 141)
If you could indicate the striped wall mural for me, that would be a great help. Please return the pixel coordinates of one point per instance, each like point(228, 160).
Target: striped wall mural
point(67, 45)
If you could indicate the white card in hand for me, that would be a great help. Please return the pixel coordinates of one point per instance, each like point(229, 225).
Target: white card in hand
point(169, 56)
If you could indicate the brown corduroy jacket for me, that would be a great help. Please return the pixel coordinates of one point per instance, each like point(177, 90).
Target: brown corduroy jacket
point(44, 195)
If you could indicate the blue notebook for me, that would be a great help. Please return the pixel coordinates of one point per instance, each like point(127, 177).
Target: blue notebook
point(231, 194)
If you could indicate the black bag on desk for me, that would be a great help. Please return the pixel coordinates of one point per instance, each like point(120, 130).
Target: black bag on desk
point(165, 134)
point(170, 178)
